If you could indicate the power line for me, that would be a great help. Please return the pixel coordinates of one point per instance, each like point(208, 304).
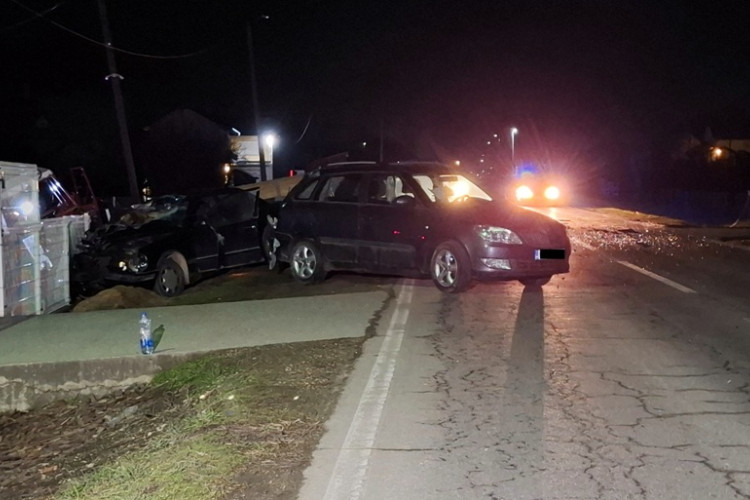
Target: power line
point(305, 129)
point(11, 27)
point(100, 44)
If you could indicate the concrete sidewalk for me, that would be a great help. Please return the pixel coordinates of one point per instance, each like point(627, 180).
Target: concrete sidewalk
point(78, 353)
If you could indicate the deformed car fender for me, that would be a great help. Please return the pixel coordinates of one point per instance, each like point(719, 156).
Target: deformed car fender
point(181, 261)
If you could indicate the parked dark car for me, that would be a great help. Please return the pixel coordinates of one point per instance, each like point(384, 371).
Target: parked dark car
point(173, 241)
point(413, 219)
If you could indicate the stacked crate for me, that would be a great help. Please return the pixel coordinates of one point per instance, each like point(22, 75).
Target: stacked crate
point(35, 253)
point(21, 228)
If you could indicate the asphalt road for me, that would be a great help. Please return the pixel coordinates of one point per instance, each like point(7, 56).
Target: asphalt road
point(627, 378)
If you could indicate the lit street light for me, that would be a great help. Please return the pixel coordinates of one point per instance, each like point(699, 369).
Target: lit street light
point(513, 132)
point(269, 139)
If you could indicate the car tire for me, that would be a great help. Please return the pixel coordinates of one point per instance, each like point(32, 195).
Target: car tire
point(450, 267)
point(170, 277)
point(535, 282)
point(306, 262)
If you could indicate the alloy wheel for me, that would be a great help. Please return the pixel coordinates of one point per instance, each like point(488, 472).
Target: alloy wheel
point(304, 262)
point(445, 268)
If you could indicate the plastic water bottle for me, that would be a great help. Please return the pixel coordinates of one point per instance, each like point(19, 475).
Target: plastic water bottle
point(147, 340)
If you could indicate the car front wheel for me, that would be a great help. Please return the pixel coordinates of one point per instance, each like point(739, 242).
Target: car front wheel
point(170, 278)
point(450, 267)
point(307, 263)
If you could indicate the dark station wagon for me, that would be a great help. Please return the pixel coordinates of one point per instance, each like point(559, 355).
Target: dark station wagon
point(413, 219)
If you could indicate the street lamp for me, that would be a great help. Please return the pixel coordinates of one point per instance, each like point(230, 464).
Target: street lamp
point(269, 139)
point(513, 132)
point(266, 143)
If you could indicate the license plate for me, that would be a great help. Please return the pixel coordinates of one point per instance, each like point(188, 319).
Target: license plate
point(548, 253)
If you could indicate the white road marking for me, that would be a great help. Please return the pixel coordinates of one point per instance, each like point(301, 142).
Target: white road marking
point(655, 276)
point(347, 480)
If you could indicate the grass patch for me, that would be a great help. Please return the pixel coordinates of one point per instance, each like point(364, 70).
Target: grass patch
point(189, 468)
point(207, 373)
point(245, 420)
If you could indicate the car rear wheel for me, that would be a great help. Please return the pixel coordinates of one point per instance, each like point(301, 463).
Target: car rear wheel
point(170, 278)
point(307, 263)
point(535, 282)
point(450, 267)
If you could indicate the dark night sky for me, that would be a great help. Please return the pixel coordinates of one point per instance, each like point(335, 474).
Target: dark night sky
point(440, 77)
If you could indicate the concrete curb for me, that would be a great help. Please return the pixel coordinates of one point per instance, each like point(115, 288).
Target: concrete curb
point(51, 357)
point(31, 385)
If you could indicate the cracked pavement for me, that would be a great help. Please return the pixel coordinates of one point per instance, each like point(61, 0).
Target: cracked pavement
point(604, 384)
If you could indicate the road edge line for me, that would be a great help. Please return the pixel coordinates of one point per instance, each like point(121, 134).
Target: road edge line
point(347, 479)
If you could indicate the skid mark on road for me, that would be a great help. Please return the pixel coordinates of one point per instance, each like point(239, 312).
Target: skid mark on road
point(348, 478)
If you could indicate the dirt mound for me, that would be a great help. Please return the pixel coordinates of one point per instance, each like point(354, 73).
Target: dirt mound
point(121, 297)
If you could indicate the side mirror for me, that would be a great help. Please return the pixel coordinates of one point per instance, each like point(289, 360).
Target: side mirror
point(404, 200)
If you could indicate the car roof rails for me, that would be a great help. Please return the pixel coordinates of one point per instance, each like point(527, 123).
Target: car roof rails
point(345, 164)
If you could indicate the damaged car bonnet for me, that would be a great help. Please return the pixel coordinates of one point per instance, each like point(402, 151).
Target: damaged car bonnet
point(172, 241)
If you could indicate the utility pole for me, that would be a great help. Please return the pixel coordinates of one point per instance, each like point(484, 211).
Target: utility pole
point(513, 133)
point(381, 139)
point(256, 111)
point(115, 78)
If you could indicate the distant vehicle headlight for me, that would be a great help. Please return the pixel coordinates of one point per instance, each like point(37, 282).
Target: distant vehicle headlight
point(494, 234)
point(524, 192)
point(136, 263)
point(552, 193)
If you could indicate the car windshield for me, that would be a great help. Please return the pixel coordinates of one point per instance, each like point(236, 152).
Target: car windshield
point(171, 209)
point(447, 188)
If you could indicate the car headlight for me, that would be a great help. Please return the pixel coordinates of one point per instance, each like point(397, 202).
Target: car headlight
point(495, 234)
point(136, 263)
point(552, 193)
point(524, 192)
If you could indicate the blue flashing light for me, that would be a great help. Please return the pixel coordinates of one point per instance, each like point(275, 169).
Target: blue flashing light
point(527, 170)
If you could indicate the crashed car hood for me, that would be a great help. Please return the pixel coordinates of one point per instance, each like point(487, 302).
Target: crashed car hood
point(122, 237)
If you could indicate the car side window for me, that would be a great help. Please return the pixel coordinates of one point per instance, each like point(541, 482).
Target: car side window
point(343, 188)
point(227, 209)
point(307, 193)
point(425, 182)
point(401, 188)
point(380, 189)
point(383, 188)
point(206, 211)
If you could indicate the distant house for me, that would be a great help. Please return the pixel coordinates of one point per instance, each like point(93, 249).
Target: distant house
point(710, 164)
point(713, 148)
point(184, 152)
point(734, 145)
